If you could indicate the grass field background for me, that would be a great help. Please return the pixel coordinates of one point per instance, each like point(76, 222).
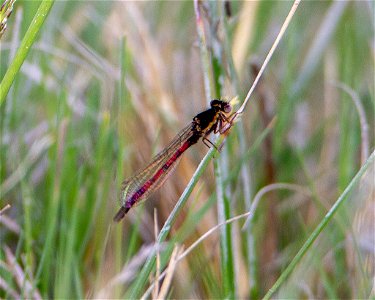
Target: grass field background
point(106, 85)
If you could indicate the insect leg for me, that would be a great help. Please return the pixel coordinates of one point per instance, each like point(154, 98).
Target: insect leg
point(208, 143)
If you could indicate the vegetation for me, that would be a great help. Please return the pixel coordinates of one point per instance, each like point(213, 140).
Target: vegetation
point(105, 85)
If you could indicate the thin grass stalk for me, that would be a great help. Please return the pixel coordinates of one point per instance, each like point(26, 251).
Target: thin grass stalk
point(270, 54)
point(19, 276)
point(27, 208)
point(156, 231)
point(94, 199)
point(328, 217)
point(65, 257)
point(51, 221)
point(122, 93)
point(212, 72)
point(142, 278)
point(169, 273)
point(245, 171)
point(362, 119)
point(348, 142)
point(226, 244)
point(26, 44)
point(276, 186)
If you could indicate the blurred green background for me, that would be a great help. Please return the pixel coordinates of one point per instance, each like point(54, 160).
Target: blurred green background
point(107, 84)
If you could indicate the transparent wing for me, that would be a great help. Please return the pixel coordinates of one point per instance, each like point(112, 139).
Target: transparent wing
point(140, 178)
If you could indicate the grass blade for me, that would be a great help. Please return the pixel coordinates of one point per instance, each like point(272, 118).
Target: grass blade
point(25, 47)
point(328, 217)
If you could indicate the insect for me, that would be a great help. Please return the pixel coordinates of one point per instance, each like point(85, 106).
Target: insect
point(134, 190)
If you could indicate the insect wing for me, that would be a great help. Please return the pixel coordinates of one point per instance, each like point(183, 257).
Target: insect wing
point(133, 184)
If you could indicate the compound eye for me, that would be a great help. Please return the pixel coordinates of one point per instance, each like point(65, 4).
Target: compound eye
point(227, 108)
point(214, 103)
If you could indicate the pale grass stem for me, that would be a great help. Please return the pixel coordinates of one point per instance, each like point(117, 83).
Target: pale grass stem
point(362, 119)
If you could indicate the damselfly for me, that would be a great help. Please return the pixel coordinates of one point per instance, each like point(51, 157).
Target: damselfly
point(216, 119)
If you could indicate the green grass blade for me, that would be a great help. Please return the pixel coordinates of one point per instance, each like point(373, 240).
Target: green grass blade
point(226, 245)
point(25, 47)
point(328, 217)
